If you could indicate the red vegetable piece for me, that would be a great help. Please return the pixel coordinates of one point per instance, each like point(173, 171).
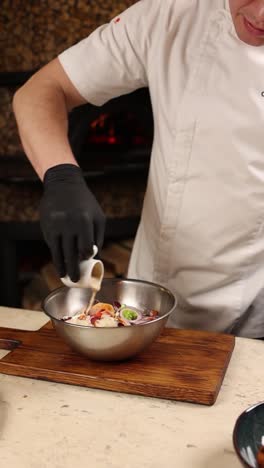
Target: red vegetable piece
point(260, 457)
point(153, 313)
point(96, 316)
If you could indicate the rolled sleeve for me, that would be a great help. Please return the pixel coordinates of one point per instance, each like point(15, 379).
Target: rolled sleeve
point(112, 61)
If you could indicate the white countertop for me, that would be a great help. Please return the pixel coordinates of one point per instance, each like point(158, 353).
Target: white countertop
point(47, 425)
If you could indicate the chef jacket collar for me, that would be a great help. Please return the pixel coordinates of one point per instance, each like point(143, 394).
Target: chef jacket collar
point(227, 6)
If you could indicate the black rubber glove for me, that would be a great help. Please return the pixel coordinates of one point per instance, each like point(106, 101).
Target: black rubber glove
point(70, 217)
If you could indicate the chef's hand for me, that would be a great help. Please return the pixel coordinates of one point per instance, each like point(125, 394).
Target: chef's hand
point(70, 217)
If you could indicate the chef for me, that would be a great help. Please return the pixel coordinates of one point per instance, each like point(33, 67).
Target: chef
point(202, 226)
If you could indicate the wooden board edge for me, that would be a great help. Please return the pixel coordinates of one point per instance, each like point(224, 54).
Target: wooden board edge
point(226, 365)
point(206, 398)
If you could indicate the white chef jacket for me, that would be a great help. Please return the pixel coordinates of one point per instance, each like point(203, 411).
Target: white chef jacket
point(201, 231)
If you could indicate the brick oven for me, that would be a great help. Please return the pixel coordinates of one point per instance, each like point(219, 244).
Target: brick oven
point(112, 143)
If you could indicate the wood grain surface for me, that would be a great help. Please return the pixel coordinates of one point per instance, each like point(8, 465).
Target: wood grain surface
point(183, 365)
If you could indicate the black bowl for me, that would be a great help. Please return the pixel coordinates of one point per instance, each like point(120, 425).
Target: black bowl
point(248, 434)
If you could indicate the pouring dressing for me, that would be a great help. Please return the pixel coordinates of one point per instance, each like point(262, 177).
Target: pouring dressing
point(91, 276)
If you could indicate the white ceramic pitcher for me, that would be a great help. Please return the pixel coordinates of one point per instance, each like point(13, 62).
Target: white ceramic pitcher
point(91, 273)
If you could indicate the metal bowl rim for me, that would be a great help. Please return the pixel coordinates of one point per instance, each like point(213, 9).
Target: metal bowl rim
point(111, 280)
point(237, 423)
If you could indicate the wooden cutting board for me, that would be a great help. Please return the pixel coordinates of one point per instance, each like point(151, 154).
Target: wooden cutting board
point(182, 365)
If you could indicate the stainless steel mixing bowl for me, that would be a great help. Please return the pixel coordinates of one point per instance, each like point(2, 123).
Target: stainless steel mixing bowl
point(110, 344)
